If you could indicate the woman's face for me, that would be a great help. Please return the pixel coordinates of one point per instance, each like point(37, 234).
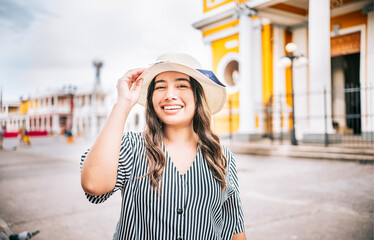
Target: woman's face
point(173, 99)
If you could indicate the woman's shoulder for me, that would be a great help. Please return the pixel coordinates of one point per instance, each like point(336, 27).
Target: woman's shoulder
point(135, 137)
point(228, 154)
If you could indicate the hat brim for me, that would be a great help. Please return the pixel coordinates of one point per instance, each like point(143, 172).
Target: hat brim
point(214, 93)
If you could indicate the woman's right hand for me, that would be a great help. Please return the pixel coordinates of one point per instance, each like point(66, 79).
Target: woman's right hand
point(128, 86)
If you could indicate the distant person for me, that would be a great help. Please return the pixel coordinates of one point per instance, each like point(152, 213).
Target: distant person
point(24, 137)
point(176, 179)
point(2, 133)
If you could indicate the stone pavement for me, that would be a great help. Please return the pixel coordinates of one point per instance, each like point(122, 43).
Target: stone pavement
point(283, 198)
point(40, 190)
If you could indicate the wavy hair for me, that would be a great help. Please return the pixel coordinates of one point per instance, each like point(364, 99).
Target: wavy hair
point(208, 141)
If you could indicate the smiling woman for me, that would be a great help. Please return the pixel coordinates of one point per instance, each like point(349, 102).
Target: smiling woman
point(177, 181)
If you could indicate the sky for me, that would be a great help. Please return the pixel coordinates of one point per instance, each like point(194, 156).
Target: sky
point(45, 44)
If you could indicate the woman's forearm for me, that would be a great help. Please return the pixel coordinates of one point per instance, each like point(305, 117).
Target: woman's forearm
point(239, 236)
point(99, 171)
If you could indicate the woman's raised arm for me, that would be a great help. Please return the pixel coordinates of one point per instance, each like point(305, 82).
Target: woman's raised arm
point(99, 170)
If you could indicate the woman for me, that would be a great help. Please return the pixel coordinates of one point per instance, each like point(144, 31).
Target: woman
point(177, 181)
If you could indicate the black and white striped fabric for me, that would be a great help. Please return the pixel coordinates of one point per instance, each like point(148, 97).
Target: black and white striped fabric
point(191, 206)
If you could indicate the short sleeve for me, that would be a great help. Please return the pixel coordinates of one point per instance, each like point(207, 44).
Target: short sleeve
point(125, 165)
point(232, 212)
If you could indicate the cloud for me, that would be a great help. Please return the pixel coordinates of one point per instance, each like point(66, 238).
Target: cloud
point(57, 41)
point(18, 15)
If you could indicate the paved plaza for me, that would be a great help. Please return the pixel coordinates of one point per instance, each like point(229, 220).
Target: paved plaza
point(283, 198)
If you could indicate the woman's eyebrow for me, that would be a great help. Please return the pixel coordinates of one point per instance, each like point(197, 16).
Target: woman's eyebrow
point(158, 81)
point(178, 80)
point(182, 79)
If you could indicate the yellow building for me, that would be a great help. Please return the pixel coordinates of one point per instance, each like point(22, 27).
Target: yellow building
point(335, 52)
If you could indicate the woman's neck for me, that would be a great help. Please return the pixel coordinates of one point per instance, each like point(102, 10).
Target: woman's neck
point(180, 135)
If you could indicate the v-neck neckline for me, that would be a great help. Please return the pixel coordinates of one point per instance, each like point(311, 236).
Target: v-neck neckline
point(168, 158)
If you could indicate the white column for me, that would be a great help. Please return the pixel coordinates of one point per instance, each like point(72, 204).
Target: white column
point(55, 124)
point(31, 124)
point(300, 82)
point(74, 125)
point(80, 124)
point(42, 123)
point(17, 123)
point(338, 101)
point(87, 101)
point(246, 96)
point(37, 123)
point(45, 123)
point(257, 74)
point(55, 102)
point(93, 117)
point(50, 104)
point(48, 121)
point(367, 108)
point(27, 123)
point(87, 128)
point(319, 65)
point(279, 82)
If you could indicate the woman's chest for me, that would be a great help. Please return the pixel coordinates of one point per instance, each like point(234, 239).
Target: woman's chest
point(195, 189)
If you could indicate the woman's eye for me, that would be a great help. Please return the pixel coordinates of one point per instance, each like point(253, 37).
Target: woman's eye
point(183, 86)
point(159, 87)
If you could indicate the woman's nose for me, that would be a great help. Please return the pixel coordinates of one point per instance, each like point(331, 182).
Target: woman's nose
point(170, 93)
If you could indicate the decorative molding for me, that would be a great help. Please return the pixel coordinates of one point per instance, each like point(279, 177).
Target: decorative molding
point(281, 17)
point(350, 7)
point(221, 34)
point(345, 44)
point(216, 15)
point(210, 3)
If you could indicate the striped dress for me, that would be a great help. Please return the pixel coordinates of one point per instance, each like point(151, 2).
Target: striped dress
point(191, 206)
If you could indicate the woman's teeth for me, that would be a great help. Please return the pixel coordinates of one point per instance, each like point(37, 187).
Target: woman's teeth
point(172, 107)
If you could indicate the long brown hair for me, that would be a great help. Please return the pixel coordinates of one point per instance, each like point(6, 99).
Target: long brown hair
point(208, 141)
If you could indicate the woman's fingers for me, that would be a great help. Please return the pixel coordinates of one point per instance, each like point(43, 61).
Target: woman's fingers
point(132, 75)
point(138, 85)
point(128, 87)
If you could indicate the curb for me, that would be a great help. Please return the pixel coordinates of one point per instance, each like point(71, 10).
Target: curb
point(307, 152)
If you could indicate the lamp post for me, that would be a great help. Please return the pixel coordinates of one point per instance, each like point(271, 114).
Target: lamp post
point(288, 60)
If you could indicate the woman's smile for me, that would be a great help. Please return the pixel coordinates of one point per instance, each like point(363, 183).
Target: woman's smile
point(171, 109)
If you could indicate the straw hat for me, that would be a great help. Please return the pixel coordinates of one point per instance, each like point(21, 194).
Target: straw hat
point(215, 91)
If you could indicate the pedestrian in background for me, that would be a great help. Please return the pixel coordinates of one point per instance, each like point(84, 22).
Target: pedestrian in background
point(2, 133)
point(24, 137)
point(176, 179)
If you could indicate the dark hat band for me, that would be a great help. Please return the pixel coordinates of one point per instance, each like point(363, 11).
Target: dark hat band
point(211, 76)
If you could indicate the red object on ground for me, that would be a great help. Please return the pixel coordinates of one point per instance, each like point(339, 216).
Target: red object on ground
point(30, 133)
point(10, 134)
point(37, 133)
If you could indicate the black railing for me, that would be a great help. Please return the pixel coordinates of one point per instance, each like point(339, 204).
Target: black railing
point(344, 117)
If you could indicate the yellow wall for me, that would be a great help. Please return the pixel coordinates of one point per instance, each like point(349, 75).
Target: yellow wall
point(267, 73)
point(349, 20)
point(288, 39)
point(267, 62)
point(24, 107)
point(219, 50)
point(222, 122)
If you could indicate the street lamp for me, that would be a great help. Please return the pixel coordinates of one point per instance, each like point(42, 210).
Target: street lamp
point(286, 61)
